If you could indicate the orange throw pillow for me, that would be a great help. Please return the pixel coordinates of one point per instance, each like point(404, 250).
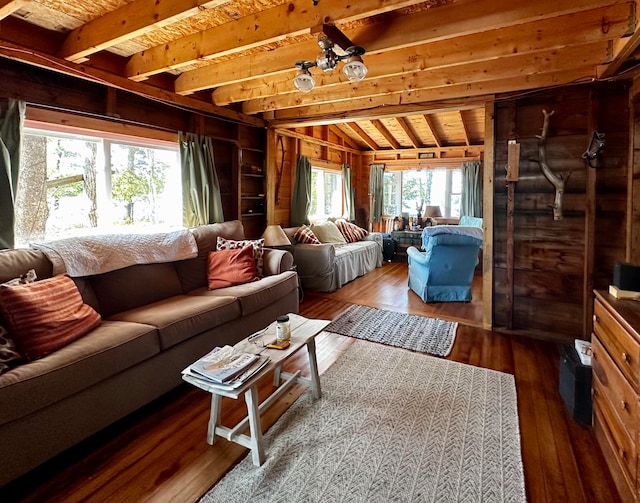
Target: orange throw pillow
point(231, 267)
point(45, 315)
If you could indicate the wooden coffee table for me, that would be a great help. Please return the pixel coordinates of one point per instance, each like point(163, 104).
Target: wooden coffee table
point(303, 333)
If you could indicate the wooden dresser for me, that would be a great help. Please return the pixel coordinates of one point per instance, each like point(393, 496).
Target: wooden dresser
point(616, 388)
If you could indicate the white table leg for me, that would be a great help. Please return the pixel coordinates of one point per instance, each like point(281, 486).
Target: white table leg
point(214, 418)
point(313, 366)
point(255, 429)
point(276, 375)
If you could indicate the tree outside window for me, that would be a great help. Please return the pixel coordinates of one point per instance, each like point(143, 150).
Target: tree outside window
point(72, 184)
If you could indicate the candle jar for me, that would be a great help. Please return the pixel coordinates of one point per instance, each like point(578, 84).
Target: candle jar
point(283, 328)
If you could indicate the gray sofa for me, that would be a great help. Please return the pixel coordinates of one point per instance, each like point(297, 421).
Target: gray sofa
point(326, 267)
point(156, 319)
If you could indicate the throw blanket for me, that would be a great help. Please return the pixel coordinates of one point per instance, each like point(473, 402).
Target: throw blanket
point(88, 255)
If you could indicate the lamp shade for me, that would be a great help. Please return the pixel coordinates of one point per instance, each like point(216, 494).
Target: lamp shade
point(355, 69)
point(304, 81)
point(433, 212)
point(275, 236)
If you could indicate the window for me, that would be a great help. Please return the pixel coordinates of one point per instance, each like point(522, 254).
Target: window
point(73, 184)
point(406, 191)
point(326, 194)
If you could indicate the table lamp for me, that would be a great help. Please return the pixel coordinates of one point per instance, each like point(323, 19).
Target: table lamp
point(275, 237)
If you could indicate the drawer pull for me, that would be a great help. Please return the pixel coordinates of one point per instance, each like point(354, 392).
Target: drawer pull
point(624, 405)
point(626, 357)
point(623, 453)
point(596, 318)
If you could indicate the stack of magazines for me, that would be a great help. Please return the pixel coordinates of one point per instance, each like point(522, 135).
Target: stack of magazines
point(226, 366)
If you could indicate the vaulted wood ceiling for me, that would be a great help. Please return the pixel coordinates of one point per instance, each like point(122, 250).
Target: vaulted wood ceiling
point(431, 64)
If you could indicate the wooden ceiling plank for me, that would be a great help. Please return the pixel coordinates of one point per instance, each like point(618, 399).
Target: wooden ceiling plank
point(528, 64)
point(464, 127)
point(244, 68)
point(467, 17)
point(385, 132)
point(406, 127)
point(401, 103)
point(127, 22)
point(521, 39)
point(8, 7)
point(271, 25)
point(428, 118)
point(364, 136)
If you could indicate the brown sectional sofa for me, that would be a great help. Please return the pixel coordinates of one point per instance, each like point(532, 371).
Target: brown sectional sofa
point(156, 319)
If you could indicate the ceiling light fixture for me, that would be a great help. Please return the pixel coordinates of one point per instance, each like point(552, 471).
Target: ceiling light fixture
point(354, 68)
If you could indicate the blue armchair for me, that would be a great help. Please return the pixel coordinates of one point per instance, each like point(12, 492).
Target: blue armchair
point(444, 271)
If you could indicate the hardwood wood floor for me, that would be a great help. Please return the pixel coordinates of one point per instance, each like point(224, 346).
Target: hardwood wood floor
point(160, 454)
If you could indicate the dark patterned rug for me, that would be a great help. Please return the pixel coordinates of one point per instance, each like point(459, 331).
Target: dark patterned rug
point(427, 335)
point(391, 426)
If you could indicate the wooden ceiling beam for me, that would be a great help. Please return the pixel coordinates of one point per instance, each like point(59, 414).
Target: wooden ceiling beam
point(271, 25)
point(363, 135)
point(622, 49)
point(406, 127)
point(532, 65)
point(402, 103)
point(464, 127)
point(8, 7)
point(385, 132)
point(432, 128)
point(127, 22)
point(334, 34)
point(484, 46)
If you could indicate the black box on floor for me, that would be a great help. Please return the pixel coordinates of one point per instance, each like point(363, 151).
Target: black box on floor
point(388, 249)
point(575, 385)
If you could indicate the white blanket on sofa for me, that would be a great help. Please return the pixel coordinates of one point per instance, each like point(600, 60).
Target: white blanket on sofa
point(88, 255)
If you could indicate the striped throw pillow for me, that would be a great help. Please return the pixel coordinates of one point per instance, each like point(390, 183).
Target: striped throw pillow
point(304, 234)
point(46, 315)
point(351, 232)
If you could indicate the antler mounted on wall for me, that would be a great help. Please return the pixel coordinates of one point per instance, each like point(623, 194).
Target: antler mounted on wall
point(557, 180)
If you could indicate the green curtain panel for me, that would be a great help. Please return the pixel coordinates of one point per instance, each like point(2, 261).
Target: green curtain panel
point(301, 200)
point(349, 208)
point(202, 203)
point(471, 203)
point(376, 190)
point(11, 122)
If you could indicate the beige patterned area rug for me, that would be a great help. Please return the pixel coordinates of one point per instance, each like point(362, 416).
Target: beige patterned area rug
point(391, 426)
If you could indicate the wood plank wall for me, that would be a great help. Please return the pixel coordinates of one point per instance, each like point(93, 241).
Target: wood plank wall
point(549, 286)
point(323, 145)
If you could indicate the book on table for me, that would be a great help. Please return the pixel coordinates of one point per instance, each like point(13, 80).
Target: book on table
point(223, 365)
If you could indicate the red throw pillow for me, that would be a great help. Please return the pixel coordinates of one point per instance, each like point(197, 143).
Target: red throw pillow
point(258, 249)
point(45, 315)
point(231, 267)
